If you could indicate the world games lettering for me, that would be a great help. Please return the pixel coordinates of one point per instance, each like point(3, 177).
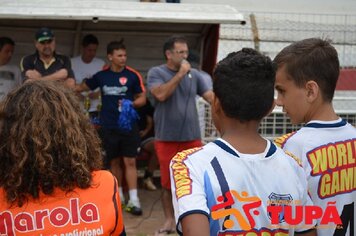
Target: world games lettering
point(335, 164)
point(182, 181)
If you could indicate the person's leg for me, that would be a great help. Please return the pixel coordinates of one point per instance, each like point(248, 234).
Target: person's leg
point(110, 140)
point(116, 170)
point(129, 145)
point(133, 206)
point(131, 172)
point(165, 152)
point(169, 223)
point(148, 147)
point(152, 163)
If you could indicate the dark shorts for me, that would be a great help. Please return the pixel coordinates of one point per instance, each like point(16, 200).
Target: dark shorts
point(119, 144)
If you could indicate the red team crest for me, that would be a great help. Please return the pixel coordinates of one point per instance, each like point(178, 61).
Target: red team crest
point(123, 80)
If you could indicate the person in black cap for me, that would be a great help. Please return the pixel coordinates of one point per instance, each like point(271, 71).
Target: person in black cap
point(45, 63)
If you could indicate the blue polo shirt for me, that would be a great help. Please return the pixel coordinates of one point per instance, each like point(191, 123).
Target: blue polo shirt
point(115, 86)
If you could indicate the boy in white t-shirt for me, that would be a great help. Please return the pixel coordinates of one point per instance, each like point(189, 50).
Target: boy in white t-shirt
point(10, 75)
point(306, 78)
point(84, 67)
point(229, 186)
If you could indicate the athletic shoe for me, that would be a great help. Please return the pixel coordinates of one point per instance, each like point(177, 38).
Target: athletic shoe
point(134, 210)
point(149, 185)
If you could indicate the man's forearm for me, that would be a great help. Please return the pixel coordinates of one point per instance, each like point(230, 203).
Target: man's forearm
point(62, 75)
point(81, 87)
point(164, 91)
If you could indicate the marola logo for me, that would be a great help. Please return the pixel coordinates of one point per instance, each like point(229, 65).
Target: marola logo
point(57, 217)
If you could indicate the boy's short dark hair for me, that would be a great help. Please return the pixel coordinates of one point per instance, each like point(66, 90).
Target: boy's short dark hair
point(115, 45)
point(90, 39)
point(6, 40)
point(169, 44)
point(244, 84)
point(311, 59)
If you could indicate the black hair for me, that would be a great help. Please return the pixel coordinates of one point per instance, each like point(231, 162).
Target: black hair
point(311, 59)
point(244, 84)
point(90, 39)
point(115, 45)
point(6, 40)
point(169, 44)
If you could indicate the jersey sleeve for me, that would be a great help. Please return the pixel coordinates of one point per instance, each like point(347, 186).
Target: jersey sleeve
point(294, 146)
point(138, 86)
point(25, 65)
point(187, 187)
point(93, 82)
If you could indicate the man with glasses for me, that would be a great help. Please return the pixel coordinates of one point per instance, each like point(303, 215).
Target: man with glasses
point(174, 85)
point(45, 63)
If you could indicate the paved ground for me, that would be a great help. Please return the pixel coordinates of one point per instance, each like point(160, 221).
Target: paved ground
point(152, 217)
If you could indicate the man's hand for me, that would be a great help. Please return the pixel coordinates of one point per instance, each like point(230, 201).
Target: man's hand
point(94, 95)
point(70, 83)
point(33, 74)
point(184, 67)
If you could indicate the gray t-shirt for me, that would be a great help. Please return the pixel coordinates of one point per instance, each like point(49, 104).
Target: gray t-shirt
point(10, 78)
point(176, 119)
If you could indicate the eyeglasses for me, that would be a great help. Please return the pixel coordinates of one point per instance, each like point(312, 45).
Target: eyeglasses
point(46, 42)
point(182, 52)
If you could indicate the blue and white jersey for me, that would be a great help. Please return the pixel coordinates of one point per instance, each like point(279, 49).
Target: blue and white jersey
point(234, 190)
point(328, 153)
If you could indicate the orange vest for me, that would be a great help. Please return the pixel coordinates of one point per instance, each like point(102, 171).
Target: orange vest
point(92, 211)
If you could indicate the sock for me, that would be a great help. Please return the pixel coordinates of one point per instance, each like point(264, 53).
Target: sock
point(122, 196)
point(133, 197)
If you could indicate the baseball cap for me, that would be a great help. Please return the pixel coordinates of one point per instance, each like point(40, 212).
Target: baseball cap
point(44, 34)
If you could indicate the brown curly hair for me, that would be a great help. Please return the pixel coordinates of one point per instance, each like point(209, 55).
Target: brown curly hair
point(46, 142)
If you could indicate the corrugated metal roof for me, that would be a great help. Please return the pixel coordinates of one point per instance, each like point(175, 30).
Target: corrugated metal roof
point(119, 11)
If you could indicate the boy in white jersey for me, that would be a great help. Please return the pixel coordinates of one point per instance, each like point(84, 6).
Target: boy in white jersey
point(229, 186)
point(306, 79)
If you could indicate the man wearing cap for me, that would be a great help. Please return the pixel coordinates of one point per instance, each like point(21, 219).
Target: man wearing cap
point(45, 63)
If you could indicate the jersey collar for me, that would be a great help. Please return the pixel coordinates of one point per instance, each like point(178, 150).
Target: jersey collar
point(223, 145)
point(326, 124)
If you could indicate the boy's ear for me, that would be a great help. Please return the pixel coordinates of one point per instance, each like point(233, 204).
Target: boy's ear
point(216, 106)
point(312, 90)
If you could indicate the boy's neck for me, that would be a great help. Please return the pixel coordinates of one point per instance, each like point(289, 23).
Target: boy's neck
point(244, 137)
point(323, 112)
point(116, 68)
